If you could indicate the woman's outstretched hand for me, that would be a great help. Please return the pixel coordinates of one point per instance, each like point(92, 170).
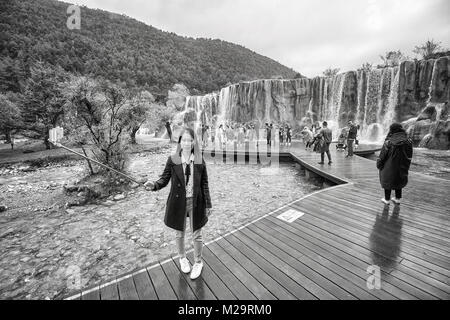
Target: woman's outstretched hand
point(149, 186)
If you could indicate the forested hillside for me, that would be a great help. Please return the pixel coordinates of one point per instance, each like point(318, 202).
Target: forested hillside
point(120, 49)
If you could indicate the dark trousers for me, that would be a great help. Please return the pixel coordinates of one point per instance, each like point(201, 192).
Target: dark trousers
point(350, 147)
point(387, 194)
point(322, 155)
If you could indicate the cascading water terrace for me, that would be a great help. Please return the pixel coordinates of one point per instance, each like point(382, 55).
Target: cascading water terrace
point(374, 99)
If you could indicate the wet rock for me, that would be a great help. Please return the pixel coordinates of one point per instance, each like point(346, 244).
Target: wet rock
point(70, 211)
point(25, 259)
point(71, 188)
point(119, 197)
point(8, 232)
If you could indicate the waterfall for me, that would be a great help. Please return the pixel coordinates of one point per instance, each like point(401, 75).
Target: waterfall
point(224, 100)
point(389, 117)
point(268, 99)
point(371, 97)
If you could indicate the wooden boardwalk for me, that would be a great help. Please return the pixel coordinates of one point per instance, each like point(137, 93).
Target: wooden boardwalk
point(325, 254)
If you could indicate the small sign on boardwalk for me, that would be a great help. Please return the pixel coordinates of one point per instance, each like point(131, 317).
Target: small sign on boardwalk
point(290, 216)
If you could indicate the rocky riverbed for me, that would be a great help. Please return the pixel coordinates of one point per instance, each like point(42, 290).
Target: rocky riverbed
point(44, 245)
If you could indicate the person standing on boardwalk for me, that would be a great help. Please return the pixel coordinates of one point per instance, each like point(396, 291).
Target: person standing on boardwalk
point(189, 197)
point(325, 135)
point(12, 142)
point(281, 135)
point(394, 162)
point(169, 130)
point(351, 137)
point(308, 137)
point(272, 134)
point(288, 135)
point(268, 134)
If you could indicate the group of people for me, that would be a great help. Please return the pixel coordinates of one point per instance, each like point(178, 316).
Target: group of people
point(318, 139)
point(282, 131)
point(242, 133)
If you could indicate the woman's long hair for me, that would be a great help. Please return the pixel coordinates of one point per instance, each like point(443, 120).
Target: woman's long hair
point(195, 149)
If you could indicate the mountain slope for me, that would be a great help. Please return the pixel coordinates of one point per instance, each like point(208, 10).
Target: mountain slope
point(117, 47)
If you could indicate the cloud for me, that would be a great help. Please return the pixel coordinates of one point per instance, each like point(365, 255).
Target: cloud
point(307, 35)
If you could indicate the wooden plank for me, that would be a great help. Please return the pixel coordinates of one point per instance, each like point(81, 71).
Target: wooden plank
point(228, 278)
point(356, 284)
point(110, 292)
point(366, 197)
point(352, 240)
point(256, 255)
point(353, 217)
point(144, 286)
point(347, 261)
point(178, 282)
point(218, 288)
point(406, 291)
point(334, 283)
point(198, 286)
point(427, 271)
point(414, 202)
point(337, 226)
point(307, 289)
point(290, 265)
point(244, 277)
point(259, 274)
point(420, 216)
point(93, 295)
point(161, 284)
point(383, 245)
point(412, 229)
point(127, 289)
point(422, 283)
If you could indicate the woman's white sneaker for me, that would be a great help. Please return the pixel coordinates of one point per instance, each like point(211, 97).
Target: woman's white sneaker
point(196, 270)
point(385, 201)
point(396, 201)
point(185, 266)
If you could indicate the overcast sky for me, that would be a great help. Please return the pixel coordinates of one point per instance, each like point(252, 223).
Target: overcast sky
point(306, 35)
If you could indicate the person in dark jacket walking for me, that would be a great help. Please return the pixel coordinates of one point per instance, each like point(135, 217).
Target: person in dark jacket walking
point(189, 197)
point(288, 135)
point(169, 130)
point(325, 137)
point(351, 137)
point(394, 162)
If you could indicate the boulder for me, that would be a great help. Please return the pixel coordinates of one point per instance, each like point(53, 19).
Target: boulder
point(119, 197)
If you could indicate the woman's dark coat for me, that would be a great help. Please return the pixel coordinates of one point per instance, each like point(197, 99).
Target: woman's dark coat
point(394, 161)
point(176, 203)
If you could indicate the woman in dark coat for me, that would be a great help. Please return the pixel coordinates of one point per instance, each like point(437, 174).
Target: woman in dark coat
point(394, 162)
point(189, 197)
